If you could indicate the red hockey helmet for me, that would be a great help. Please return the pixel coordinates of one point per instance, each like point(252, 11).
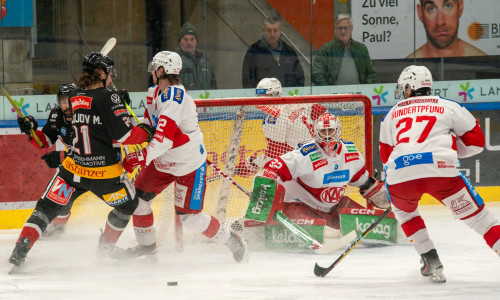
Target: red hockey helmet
point(328, 130)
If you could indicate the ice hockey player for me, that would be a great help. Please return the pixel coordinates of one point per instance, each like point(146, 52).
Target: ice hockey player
point(58, 126)
point(421, 139)
point(100, 121)
point(176, 154)
point(314, 176)
point(285, 127)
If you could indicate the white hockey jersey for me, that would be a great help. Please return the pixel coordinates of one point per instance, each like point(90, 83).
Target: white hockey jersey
point(311, 176)
point(424, 136)
point(177, 147)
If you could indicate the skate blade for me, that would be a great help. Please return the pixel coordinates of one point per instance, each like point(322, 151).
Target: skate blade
point(15, 269)
point(438, 276)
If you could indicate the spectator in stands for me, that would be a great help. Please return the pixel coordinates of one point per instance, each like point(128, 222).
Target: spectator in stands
point(343, 60)
point(440, 19)
point(271, 57)
point(196, 73)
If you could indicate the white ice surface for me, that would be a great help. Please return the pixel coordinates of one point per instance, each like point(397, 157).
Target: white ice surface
point(66, 268)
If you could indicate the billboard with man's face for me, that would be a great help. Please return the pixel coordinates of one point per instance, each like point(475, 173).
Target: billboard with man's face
point(394, 29)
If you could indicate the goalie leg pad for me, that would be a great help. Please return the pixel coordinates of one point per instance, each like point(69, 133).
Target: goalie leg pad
point(359, 219)
point(267, 197)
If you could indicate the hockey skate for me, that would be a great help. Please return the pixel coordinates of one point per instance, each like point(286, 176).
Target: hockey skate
point(432, 267)
point(19, 254)
point(239, 247)
point(141, 250)
point(107, 250)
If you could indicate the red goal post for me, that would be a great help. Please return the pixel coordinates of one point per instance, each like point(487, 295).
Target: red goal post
point(233, 132)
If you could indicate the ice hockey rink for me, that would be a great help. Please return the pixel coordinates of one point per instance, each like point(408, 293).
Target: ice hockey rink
point(66, 268)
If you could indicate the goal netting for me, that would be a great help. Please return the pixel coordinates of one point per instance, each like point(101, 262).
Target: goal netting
point(242, 134)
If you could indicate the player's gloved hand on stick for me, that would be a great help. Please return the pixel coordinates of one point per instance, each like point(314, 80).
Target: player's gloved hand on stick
point(133, 160)
point(376, 194)
point(124, 96)
point(149, 130)
point(54, 158)
point(26, 124)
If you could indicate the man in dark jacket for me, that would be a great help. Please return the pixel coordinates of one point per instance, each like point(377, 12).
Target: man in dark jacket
point(196, 73)
point(271, 57)
point(343, 61)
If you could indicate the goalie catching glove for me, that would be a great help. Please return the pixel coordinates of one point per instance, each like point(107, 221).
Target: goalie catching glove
point(27, 123)
point(375, 193)
point(134, 160)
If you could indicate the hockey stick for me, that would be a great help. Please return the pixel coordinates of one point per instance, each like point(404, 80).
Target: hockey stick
point(322, 272)
point(110, 44)
point(20, 113)
point(298, 231)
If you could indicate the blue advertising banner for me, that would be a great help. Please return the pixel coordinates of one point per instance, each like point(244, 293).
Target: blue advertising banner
point(17, 13)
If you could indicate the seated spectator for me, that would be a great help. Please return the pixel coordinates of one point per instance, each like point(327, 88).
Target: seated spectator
point(271, 57)
point(343, 61)
point(196, 73)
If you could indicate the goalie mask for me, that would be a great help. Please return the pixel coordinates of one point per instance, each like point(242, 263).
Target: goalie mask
point(97, 60)
point(417, 77)
point(170, 61)
point(328, 130)
point(269, 87)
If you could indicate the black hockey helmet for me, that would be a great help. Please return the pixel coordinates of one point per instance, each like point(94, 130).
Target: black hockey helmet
point(65, 90)
point(97, 60)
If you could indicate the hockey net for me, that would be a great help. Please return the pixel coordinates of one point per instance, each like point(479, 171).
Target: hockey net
point(239, 131)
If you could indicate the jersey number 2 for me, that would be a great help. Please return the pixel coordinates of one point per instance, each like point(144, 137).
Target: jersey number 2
point(405, 124)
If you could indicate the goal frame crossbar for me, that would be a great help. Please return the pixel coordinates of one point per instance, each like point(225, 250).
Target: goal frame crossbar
point(257, 101)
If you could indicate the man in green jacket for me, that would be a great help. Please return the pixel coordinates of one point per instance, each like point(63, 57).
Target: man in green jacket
point(343, 61)
point(196, 73)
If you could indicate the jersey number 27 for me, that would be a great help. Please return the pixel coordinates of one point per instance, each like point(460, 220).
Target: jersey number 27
point(405, 124)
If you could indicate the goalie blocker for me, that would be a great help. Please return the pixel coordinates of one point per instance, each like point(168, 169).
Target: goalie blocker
point(267, 198)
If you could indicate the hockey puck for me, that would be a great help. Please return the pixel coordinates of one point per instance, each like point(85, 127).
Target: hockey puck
point(172, 283)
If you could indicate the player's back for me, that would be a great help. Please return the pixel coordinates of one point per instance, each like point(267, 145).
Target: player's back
point(99, 120)
point(422, 131)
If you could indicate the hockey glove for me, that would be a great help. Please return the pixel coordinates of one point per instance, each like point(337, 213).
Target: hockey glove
point(134, 160)
point(26, 124)
point(149, 130)
point(376, 194)
point(124, 96)
point(54, 158)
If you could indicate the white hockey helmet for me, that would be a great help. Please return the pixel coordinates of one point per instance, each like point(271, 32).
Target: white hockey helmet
point(416, 76)
point(328, 130)
point(170, 61)
point(269, 87)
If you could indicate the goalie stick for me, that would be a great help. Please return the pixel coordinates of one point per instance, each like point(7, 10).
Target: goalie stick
point(296, 230)
point(20, 113)
point(322, 272)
